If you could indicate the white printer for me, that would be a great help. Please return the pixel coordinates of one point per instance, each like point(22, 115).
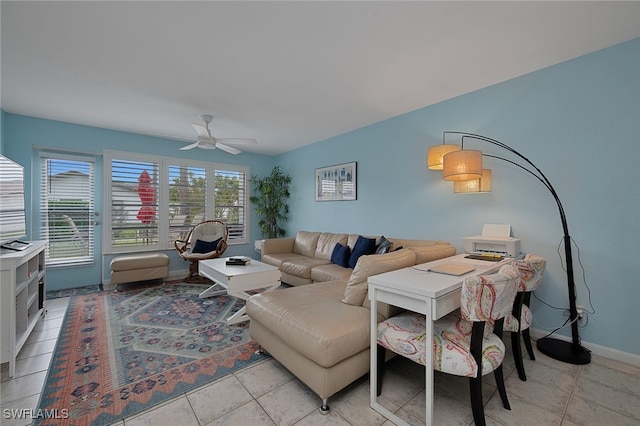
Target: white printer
point(495, 239)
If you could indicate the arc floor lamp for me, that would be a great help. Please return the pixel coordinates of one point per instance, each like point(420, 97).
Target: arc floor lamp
point(464, 168)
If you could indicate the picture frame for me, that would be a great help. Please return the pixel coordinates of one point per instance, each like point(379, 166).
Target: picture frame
point(337, 183)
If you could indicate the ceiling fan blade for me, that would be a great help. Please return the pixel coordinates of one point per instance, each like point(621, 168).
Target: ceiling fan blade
point(207, 145)
point(201, 130)
point(172, 137)
point(227, 148)
point(238, 141)
point(191, 146)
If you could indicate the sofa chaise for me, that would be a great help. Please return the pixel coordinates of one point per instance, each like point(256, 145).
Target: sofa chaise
point(320, 329)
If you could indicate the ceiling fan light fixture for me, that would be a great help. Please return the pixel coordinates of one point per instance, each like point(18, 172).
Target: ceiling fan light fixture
point(205, 139)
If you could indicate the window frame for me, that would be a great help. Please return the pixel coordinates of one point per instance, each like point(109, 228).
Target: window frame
point(163, 197)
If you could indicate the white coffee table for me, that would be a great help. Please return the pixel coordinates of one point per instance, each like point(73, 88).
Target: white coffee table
point(237, 281)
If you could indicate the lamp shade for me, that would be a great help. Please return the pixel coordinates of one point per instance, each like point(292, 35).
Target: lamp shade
point(474, 186)
point(435, 154)
point(465, 164)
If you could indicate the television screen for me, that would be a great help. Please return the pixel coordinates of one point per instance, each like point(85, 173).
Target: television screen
point(13, 223)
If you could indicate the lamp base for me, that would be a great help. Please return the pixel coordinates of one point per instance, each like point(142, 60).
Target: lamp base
point(564, 351)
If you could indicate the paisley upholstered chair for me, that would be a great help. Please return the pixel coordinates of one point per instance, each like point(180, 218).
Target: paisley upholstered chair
point(461, 345)
point(206, 240)
point(531, 269)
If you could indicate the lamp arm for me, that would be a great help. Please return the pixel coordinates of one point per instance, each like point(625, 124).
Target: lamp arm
point(538, 175)
point(518, 165)
point(578, 354)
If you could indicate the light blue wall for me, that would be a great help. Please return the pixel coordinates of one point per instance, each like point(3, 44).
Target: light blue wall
point(22, 133)
point(578, 121)
point(1, 132)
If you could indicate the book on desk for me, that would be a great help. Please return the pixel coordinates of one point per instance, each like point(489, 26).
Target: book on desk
point(238, 261)
point(456, 269)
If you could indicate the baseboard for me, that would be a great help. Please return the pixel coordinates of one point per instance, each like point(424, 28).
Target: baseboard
point(614, 354)
point(178, 275)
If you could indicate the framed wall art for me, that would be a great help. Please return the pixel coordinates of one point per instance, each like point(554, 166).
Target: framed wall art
point(336, 183)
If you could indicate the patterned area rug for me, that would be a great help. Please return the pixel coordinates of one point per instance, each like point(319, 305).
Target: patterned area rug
point(121, 353)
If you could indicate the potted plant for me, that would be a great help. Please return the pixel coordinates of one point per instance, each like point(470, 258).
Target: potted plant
point(270, 198)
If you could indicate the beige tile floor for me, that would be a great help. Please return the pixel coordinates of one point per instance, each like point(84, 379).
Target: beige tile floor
point(604, 392)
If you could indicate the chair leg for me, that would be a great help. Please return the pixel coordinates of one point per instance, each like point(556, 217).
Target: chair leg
point(517, 355)
point(525, 333)
point(382, 352)
point(475, 383)
point(497, 373)
point(527, 343)
point(475, 387)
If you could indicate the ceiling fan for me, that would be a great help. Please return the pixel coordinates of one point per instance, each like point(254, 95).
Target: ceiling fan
point(207, 141)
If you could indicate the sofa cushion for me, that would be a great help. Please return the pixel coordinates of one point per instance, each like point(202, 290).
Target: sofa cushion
point(313, 321)
point(362, 247)
point(301, 267)
point(305, 243)
point(429, 253)
point(330, 272)
point(326, 243)
point(277, 259)
point(357, 287)
point(340, 255)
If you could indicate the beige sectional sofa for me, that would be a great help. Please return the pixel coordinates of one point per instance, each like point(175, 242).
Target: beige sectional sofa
point(306, 258)
point(319, 329)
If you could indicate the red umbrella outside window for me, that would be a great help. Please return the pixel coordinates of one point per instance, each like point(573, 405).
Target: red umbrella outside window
point(147, 212)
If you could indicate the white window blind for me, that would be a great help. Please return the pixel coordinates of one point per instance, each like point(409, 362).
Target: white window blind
point(231, 202)
point(66, 209)
point(12, 207)
point(187, 199)
point(134, 203)
point(185, 192)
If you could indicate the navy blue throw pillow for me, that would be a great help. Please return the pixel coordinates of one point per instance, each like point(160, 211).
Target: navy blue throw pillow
point(205, 246)
point(362, 247)
point(340, 255)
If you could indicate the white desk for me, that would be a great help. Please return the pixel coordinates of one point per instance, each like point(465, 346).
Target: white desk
point(428, 293)
point(238, 281)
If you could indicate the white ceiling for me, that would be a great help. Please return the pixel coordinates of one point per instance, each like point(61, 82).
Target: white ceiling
point(285, 73)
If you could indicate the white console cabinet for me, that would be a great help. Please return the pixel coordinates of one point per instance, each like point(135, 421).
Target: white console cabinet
point(22, 295)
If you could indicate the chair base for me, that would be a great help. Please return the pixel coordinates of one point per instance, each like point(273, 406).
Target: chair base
point(194, 277)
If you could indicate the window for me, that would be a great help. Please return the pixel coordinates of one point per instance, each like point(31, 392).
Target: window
point(230, 202)
point(187, 199)
point(154, 201)
point(66, 210)
point(134, 206)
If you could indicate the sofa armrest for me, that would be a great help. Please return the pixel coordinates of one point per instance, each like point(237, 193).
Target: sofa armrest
point(277, 245)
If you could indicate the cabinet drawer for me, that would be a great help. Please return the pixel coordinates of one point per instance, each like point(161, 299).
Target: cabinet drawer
point(445, 304)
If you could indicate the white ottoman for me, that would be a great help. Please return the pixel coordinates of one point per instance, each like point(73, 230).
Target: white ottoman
point(139, 267)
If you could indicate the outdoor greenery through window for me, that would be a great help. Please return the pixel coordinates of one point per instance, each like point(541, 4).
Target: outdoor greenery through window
point(66, 210)
point(154, 201)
